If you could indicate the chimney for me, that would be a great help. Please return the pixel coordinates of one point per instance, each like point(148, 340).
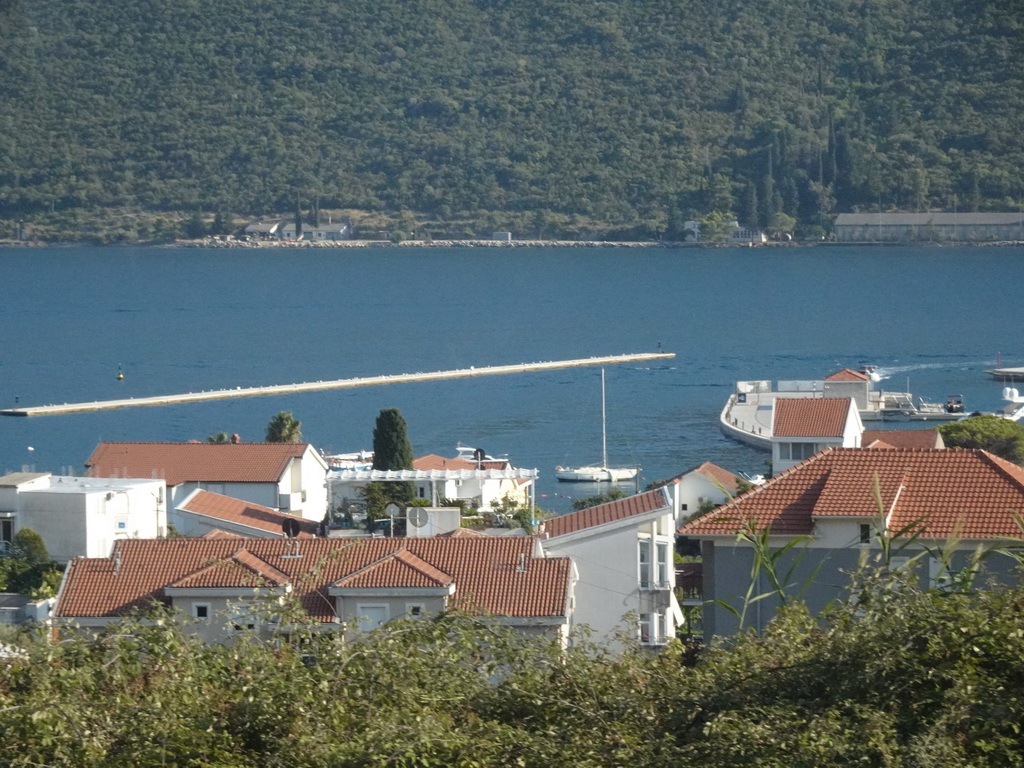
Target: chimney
point(521, 568)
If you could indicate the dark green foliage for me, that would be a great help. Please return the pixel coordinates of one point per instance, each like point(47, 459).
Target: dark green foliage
point(391, 450)
point(391, 447)
point(541, 117)
point(614, 493)
point(904, 678)
point(30, 571)
point(284, 428)
point(30, 546)
point(1002, 437)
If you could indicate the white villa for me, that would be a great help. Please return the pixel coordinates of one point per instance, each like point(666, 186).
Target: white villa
point(81, 516)
point(289, 477)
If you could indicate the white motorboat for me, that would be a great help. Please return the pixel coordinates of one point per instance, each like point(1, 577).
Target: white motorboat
point(602, 473)
point(1014, 408)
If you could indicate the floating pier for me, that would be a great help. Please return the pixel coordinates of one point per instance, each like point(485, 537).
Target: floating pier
point(313, 386)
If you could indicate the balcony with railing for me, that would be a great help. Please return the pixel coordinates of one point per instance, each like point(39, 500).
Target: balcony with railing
point(690, 582)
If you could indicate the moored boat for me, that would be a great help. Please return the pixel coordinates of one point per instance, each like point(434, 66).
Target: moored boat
point(602, 473)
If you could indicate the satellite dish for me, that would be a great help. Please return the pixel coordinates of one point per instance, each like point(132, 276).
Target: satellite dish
point(479, 454)
point(290, 526)
point(392, 510)
point(418, 516)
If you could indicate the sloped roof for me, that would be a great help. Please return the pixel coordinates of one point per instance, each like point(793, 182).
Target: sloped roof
point(716, 474)
point(240, 569)
point(433, 461)
point(938, 492)
point(229, 510)
point(902, 438)
point(180, 463)
point(603, 514)
point(485, 571)
point(463, 533)
point(398, 569)
point(810, 416)
point(847, 374)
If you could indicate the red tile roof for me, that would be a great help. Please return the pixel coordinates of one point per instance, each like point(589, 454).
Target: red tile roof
point(714, 473)
point(847, 374)
point(603, 514)
point(485, 570)
point(229, 510)
point(433, 461)
point(463, 533)
point(967, 493)
point(180, 463)
point(810, 416)
point(398, 569)
point(241, 569)
point(902, 438)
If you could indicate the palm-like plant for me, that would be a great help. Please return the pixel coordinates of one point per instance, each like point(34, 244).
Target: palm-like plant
point(284, 428)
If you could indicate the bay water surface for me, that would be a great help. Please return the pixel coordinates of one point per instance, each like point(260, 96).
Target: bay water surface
point(176, 320)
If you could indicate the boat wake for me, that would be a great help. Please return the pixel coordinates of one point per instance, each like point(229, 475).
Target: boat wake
point(888, 371)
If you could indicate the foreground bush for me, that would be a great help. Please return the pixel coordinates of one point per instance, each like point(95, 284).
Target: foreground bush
point(905, 678)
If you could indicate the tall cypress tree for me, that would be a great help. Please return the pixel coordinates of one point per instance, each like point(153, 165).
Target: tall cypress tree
point(392, 450)
point(391, 447)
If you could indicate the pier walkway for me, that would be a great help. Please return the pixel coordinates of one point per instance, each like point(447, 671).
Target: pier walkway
point(312, 386)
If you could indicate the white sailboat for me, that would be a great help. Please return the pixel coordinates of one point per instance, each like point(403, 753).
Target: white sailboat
point(602, 473)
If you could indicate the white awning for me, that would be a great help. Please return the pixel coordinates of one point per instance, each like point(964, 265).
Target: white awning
point(384, 475)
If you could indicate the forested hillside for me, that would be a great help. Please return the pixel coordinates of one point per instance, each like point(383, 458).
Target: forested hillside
point(623, 116)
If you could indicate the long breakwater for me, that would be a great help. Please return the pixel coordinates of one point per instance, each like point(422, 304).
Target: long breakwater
point(313, 386)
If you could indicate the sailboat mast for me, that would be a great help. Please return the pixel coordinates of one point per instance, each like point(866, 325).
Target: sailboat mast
point(604, 428)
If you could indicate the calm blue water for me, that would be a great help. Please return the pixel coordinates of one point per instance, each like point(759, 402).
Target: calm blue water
point(178, 320)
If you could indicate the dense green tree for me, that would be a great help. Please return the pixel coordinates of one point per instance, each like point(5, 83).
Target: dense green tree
point(30, 546)
point(391, 446)
point(284, 428)
point(391, 450)
point(29, 570)
point(1002, 437)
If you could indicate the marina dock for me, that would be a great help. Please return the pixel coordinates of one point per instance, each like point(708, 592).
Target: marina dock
point(313, 386)
point(1006, 374)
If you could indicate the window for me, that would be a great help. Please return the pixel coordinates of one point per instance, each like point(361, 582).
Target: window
point(242, 618)
point(865, 533)
point(652, 628)
point(797, 451)
point(645, 563)
point(201, 610)
point(662, 564)
point(944, 578)
point(6, 530)
point(414, 610)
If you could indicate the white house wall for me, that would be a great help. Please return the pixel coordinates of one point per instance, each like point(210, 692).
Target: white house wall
point(86, 523)
point(691, 491)
point(608, 590)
